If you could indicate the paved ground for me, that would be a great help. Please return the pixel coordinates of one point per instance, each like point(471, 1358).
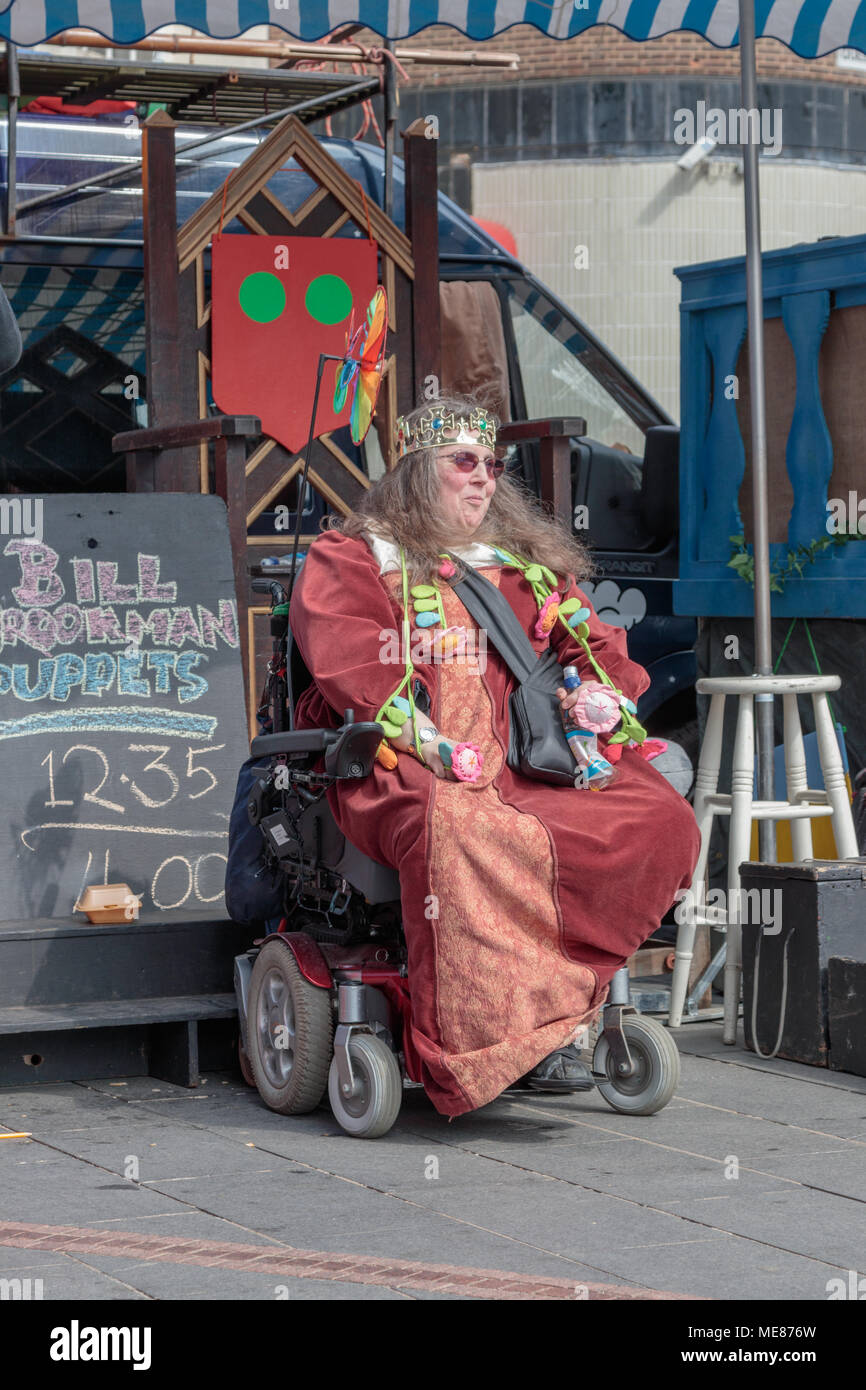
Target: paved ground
point(749, 1185)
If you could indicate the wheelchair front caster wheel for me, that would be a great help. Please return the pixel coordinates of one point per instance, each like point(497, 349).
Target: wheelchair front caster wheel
point(657, 1068)
point(370, 1111)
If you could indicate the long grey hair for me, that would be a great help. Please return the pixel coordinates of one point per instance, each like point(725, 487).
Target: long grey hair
point(404, 507)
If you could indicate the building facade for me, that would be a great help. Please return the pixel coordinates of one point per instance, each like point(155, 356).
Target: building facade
point(577, 151)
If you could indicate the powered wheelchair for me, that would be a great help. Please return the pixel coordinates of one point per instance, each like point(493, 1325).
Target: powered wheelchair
point(323, 1001)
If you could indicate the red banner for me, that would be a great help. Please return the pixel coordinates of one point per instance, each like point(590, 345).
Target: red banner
point(277, 303)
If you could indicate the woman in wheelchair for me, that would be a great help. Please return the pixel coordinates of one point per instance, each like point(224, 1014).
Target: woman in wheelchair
point(520, 899)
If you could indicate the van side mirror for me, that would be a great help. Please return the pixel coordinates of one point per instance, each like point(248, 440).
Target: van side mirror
point(660, 486)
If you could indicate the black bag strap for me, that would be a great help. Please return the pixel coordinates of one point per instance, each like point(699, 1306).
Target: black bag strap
point(492, 611)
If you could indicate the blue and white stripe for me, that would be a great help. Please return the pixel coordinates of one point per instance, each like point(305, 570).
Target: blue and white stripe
point(103, 304)
point(811, 28)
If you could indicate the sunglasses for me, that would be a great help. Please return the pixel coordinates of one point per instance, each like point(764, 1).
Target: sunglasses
point(467, 463)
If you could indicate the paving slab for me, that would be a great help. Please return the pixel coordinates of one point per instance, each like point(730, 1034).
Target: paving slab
point(839, 1171)
point(724, 1268)
point(80, 1282)
point(68, 1192)
point(20, 1262)
point(803, 1221)
point(711, 1132)
point(705, 1040)
point(653, 1178)
point(789, 1101)
point(157, 1149)
point(62, 1100)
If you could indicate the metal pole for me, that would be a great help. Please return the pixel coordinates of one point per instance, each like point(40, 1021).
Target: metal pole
point(390, 95)
point(323, 358)
point(13, 92)
point(276, 48)
point(755, 317)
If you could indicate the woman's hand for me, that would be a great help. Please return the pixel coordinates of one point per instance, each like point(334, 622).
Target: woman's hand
point(567, 699)
point(429, 751)
point(434, 762)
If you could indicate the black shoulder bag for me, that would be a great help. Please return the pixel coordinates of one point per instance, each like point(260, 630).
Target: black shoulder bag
point(537, 745)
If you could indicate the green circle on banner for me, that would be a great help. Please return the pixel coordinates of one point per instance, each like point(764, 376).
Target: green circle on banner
point(328, 299)
point(262, 296)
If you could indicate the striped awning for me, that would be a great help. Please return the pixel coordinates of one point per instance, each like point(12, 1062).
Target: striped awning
point(810, 28)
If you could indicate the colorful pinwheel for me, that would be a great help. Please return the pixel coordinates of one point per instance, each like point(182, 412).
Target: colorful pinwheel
point(365, 360)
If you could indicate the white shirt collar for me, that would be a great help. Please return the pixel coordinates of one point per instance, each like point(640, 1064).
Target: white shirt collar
point(388, 554)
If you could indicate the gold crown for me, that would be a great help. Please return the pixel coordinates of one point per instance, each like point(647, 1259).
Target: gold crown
point(436, 427)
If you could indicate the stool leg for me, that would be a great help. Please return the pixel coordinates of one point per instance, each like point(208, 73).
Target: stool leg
point(742, 791)
point(795, 774)
point(834, 779)
point(706, 784)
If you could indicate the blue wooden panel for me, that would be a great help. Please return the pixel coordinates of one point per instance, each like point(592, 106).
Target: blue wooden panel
point(809, 453)
point(722, 457)
point(801, 283)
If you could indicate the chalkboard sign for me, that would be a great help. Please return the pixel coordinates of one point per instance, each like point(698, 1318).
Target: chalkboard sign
point(122, 721)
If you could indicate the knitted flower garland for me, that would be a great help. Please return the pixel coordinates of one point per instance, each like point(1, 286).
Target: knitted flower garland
point(464, 759)
point(573, 615)
point(429, 613)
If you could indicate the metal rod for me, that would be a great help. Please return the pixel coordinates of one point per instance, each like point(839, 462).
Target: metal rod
point(390, 102)
point(704, 980)
point(757, 395)
point(323, 358)
point(38, 239)
point(355, 87)
point(13, 91)
point(121, 171)
point(280, 48)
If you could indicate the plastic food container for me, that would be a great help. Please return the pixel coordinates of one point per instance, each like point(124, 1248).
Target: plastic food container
point(111, 902)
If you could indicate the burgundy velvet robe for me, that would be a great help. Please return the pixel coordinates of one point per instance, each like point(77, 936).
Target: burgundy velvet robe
point(520, 899)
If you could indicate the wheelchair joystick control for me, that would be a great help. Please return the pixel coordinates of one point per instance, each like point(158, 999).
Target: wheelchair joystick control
point(349, 716)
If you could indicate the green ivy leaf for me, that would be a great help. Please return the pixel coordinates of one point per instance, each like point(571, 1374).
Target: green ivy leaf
point(740, 563)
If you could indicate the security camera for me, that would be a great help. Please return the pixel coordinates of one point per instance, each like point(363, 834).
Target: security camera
point(697, 152)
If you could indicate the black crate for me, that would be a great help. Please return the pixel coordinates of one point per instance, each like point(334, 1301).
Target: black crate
point(847, 995)
point(822, 914)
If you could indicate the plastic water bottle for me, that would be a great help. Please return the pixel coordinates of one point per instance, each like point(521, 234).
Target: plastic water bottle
point(594, 771)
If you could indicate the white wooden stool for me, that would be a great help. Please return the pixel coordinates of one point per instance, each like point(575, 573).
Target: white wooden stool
point(803, 804)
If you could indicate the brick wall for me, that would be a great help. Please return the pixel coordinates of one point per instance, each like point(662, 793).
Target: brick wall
point(603, 50)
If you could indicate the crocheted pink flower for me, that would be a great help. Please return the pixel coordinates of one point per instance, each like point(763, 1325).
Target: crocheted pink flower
point(547, 614)
point(446, 569)
point(466, 762)
point(596, 708)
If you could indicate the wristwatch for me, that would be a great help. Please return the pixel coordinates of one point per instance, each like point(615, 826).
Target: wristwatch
point(428, 735)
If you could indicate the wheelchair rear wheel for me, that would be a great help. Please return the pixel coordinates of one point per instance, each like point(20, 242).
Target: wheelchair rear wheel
point(289, 1033)
point(370, 1111)
point(657, 1068)
point(244, 1064)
